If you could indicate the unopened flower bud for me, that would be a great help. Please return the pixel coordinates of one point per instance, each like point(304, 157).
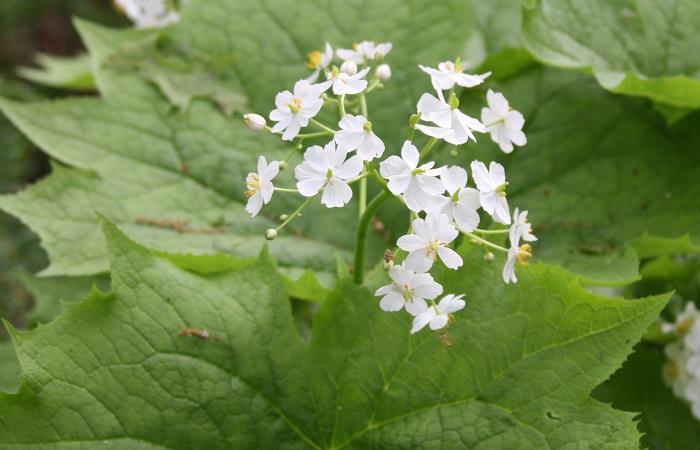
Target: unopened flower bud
point(270, 234)
point(255, 122)
point(488, 256)
point(349, 67)
point(284, 217)
point(453, 152)
point(383, 72)
point(283, 165)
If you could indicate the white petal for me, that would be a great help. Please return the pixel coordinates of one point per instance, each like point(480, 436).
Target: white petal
point(498, 173)
point(421, 320)
point(439, 322)
point(418, 261)
point(451, 303)
point(409, 153)
point(481, 177)
point(416, 306)
point(411, 242)
point(399, 184)
point(370, 147)
point(433, 110)
point(436, 132)
point(254, 204)
point(450, 258)
point(292, 129)
point(401, 275)
point(497, 102)
point(350, 168)
point(425, 286)
point(466, 217)
point(393, 166)
point(336, 193)
point(391, 302)
point(352, 123)
point(310, 186)
point(501, 212)
point(454, 178)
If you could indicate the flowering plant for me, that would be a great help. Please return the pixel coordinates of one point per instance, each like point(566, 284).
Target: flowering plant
point(439, 203)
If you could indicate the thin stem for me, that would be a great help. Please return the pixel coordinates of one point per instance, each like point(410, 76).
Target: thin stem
point(428, 146)
point(301, 137)
point(294, 214)
point(374, 84)
point(363, 105)
point(341, 106)
point(362, 228)
point(279, 189)
point(480, 231)
point(483, 241)
point(322, 126)
point(358, 178)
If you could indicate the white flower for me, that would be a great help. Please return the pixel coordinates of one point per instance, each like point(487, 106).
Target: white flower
point(462, 203)
point(675, 370)
point(684, 321)
point(419, 185)
point(326, 169)
point(319, 62)
point(692, 338)
point(453, 125)
point(522, 227)
point(517, 253)
point(692, 393)
point(430, 239)
point(356, 134)
point(294, 110)
point(504, 124)
point(450, 73)
point(149, 13)
point(255, 122)
point(438, 316)
point(259, 185)
point(383, 72)
point(364, 51)
point(344, 81)
point(492, 190)
point(408, 289)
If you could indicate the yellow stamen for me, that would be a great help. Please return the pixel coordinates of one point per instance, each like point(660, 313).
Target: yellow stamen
point(524, 255)
point(253, 184)
point(295, 106)
point(313, 59)
point(684, 327)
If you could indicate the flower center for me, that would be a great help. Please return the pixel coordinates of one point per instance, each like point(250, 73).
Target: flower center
point(524, 254)
point(417, 171)
point(313, 59)
point(295, 105)
point(501, 189)
point(407, 293)
point(253, 183)
point(432, 248)
point(458, 66)
point(329, 173)
point(455, 196)
point(367, 126)
point(684, 327)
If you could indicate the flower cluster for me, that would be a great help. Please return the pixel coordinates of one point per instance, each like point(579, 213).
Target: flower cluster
point(149, 13)
point(441, 205)
point(682, 369)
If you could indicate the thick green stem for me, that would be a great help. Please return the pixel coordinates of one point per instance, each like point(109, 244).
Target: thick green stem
point(362, 229)
point(428, 146)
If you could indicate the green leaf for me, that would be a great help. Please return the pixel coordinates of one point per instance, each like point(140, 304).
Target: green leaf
point(50, 293)
point(123, 370)
point(9, 368)
point(666, 421)
point(605, 181)
point(647, 49)
point(60, 72)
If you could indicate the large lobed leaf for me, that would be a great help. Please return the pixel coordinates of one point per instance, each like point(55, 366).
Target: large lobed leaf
point(646, 48)
point(116, 369)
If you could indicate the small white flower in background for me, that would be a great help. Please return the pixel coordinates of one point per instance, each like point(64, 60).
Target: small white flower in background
point(149, 13)
point(255, 122)
point(364, 51)
point(408, 290)
point(504, 124)
point(356, 134)
point(448, 74)
point(295, 109)
point(692, 337)
point(346, 80)
point(429, 241)
point(517, 253)
point(419, 185)
point(259, 185)
point(692, 393)
point(319, 62)
point(383, 72)
point(675, 370)
point(492, 185)
point(438, 316)
point(453, 125)
point(522, 227)
point(462, 202)
point(684, 321)
point(326, 169)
